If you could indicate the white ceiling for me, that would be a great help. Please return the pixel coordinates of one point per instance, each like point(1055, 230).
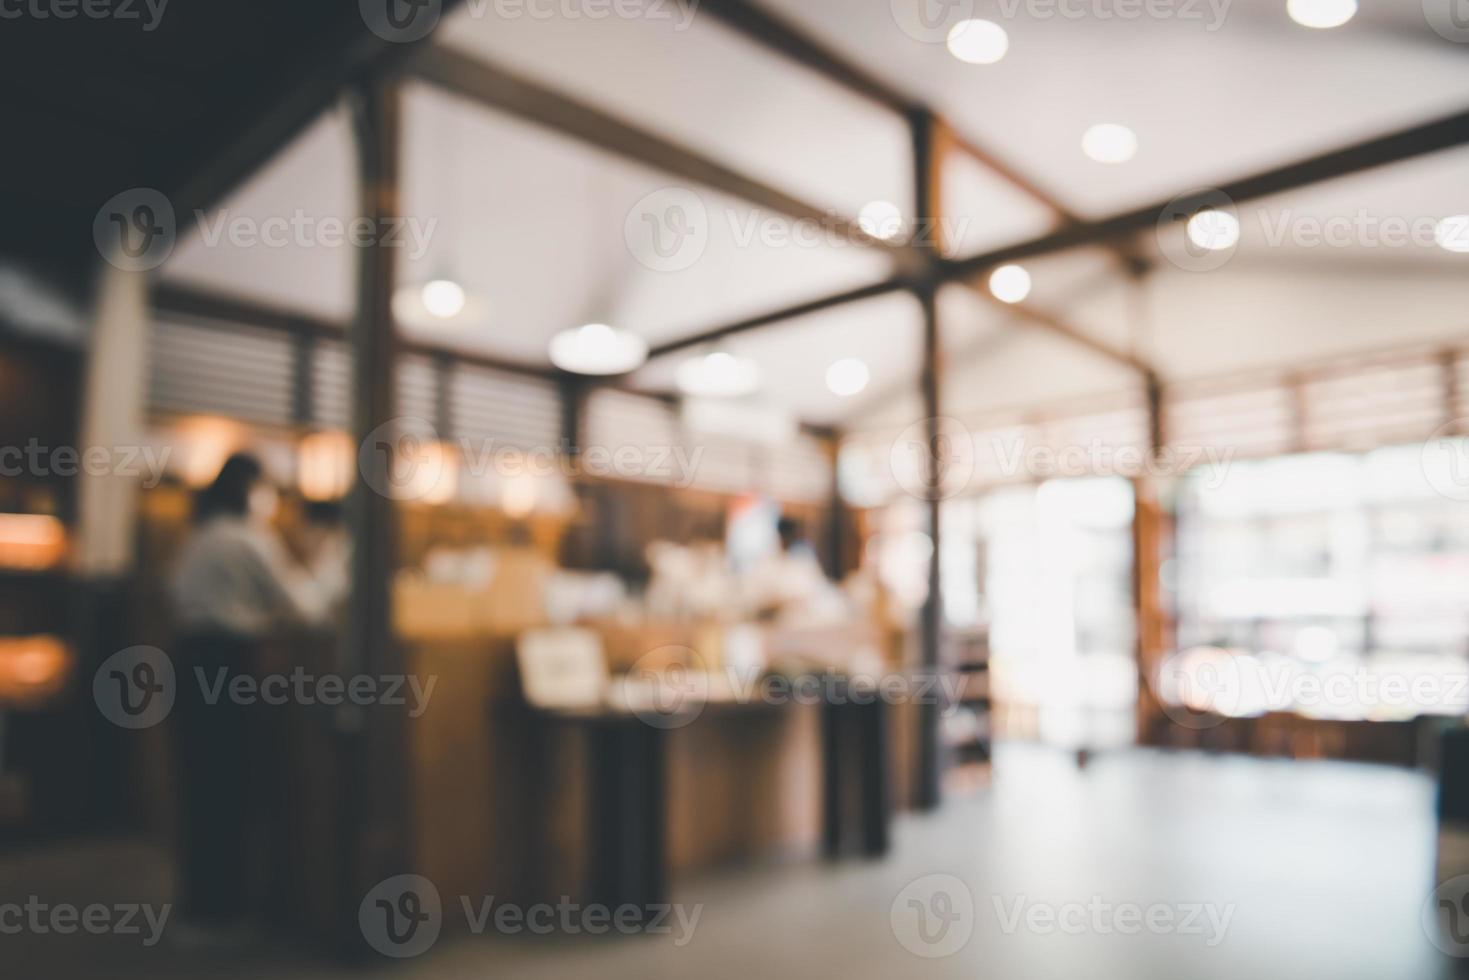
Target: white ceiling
point(536, 225)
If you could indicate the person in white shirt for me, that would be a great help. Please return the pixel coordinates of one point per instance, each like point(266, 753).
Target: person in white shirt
point(234, 584)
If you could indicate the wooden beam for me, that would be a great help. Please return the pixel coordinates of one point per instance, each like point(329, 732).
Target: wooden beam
point(377, 834)
point(498, 89)
point(1439, 134)
point(928, 197)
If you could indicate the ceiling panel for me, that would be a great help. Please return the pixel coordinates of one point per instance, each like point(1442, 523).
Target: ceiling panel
point(1209, 99)
point(690, 79)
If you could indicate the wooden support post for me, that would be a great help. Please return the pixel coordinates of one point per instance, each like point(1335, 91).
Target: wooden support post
point(1147, 546)
point(374, 812)
point(928, 212)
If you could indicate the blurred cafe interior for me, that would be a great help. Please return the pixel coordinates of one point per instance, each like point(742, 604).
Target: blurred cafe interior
point(758, 455)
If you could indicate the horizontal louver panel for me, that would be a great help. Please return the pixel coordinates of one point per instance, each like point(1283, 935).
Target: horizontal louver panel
point(1251, 423)
point(242, 373)
point(494, 408)
point(331, 385)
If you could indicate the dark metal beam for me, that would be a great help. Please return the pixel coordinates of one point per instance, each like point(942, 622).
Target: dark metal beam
point(789, 313)
point(1404, 144)
point(498, 89)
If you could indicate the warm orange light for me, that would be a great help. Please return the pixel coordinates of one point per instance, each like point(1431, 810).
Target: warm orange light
point(31, 541)
point(429, 474)
point(205, 442)
point(33, 669)
point(325, 466)
point(518, 498)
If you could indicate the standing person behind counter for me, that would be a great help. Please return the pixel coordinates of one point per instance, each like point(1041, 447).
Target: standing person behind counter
point(234, 585)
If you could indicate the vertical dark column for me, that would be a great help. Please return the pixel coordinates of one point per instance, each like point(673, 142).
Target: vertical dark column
point(374, 814)
point(928, 212)
point(836, 525)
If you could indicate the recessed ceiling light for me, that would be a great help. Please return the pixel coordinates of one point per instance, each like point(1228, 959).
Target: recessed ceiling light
point(1213, 230)
point(1452, 233)
point(1109, 143)
point(880, 219)
point(719, 374)
point(1321, 14)
point(598, 349)
point(443, 298)
point(978, 42)
point(1010, 283)
point(847, 377)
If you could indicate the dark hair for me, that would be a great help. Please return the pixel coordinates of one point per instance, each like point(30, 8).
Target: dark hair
point(324, 513)
point(790, 530)
point(230, 491)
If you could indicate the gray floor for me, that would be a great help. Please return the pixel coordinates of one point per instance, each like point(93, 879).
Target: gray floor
point(1321, 868)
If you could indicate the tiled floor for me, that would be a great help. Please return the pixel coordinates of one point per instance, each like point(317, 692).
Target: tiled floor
point(1278, 870)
